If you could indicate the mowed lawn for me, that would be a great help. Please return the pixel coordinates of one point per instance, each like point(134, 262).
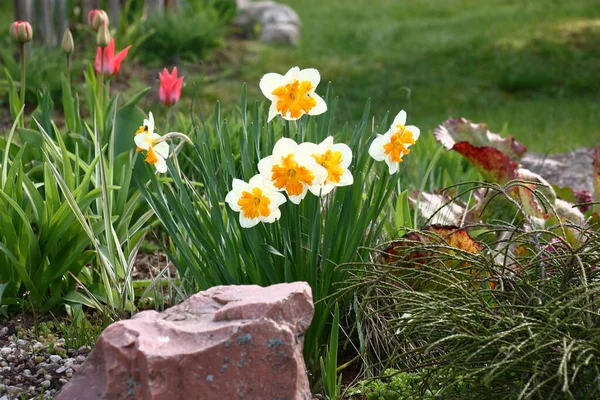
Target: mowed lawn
point(527, 68)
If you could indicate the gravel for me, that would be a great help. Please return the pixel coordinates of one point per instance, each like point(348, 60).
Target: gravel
point(35, 369)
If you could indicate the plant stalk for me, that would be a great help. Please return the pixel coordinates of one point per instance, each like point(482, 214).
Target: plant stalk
point(22, 53)
point(69, 71)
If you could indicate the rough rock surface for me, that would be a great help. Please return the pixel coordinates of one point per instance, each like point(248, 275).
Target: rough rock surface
point(229, 342)
point(279, 23)
point(573, 169)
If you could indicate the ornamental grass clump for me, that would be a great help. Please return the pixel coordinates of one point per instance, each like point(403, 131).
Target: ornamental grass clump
point(297, 200)
point(510, 308)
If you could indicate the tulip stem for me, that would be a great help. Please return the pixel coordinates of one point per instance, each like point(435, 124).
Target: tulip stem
point(168, 119)
point(69, 71)
point(101, 93)
point(22, 51)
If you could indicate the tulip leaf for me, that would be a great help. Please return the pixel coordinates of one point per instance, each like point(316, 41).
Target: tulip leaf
point(127, 121)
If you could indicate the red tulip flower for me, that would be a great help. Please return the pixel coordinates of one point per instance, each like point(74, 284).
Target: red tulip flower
point(170, 87)
point(112, 62)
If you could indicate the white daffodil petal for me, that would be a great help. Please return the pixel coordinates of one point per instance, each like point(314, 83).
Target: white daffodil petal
point(284, 146)
point(320, 107)
point(277, 198)
point(257, 181)
point(141, 141)
point(376, 149)
point(269, 82)
point(150, 123)
point(274, 216)
point(400, 119)
point(232, 199)
point(238, 186)
point(248, 222)
point(296, 199)
point(161, 164)
point(393, 166)
point(327, 143)
point(346, 153)
point(346, 179)
point(265, 167)
point(272, 111)
point(162, 149)
point(291, 75)
point(308, 149)
point(415, 131)
point(311, 75)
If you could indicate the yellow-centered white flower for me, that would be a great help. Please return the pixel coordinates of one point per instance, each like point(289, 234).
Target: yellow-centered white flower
point(290, 169)
point(256, 201)
point(394, 144)
point(335, 158)
point(147, 139)
point(293, 94)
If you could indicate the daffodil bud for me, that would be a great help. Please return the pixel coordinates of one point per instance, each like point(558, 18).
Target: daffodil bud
point(97, 18)
point(67, 42)
point(21, 31)
point(103, 36)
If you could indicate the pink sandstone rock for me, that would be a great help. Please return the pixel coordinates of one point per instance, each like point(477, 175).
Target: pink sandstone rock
point(229, 342)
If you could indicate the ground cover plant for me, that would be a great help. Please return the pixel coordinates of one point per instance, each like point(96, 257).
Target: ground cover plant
point(434, 258)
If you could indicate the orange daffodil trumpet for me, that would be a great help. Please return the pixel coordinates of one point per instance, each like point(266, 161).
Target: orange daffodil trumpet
point(293, 94)
point(335, 158)
point(256, 201)
point(394, 144)
point(292, 170)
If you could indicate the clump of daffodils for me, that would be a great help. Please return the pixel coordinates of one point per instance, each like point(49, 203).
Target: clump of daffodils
point(293, 168)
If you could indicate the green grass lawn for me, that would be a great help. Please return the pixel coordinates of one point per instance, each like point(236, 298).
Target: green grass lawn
point(531, 68)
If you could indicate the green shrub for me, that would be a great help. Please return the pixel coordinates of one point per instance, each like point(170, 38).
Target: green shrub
point(190, 35)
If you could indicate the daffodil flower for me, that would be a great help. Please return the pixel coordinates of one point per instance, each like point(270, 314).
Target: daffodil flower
point(394, 144)
point(256, 201)
point(290, 169)
point(335, 158)
point(293, 94)
point(158, 149)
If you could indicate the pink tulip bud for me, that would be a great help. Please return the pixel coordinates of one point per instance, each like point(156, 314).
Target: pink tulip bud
point(21, 31)
point(97, 18)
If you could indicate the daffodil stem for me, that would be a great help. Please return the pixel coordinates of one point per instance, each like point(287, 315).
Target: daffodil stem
point(22, 51)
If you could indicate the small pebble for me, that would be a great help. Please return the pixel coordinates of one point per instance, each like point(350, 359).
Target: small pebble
point(5, 351)
point(61, 370)
point(48, 377)
point(46, 384)
point(55, 358)
point(69, 372)
point(22, 342)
